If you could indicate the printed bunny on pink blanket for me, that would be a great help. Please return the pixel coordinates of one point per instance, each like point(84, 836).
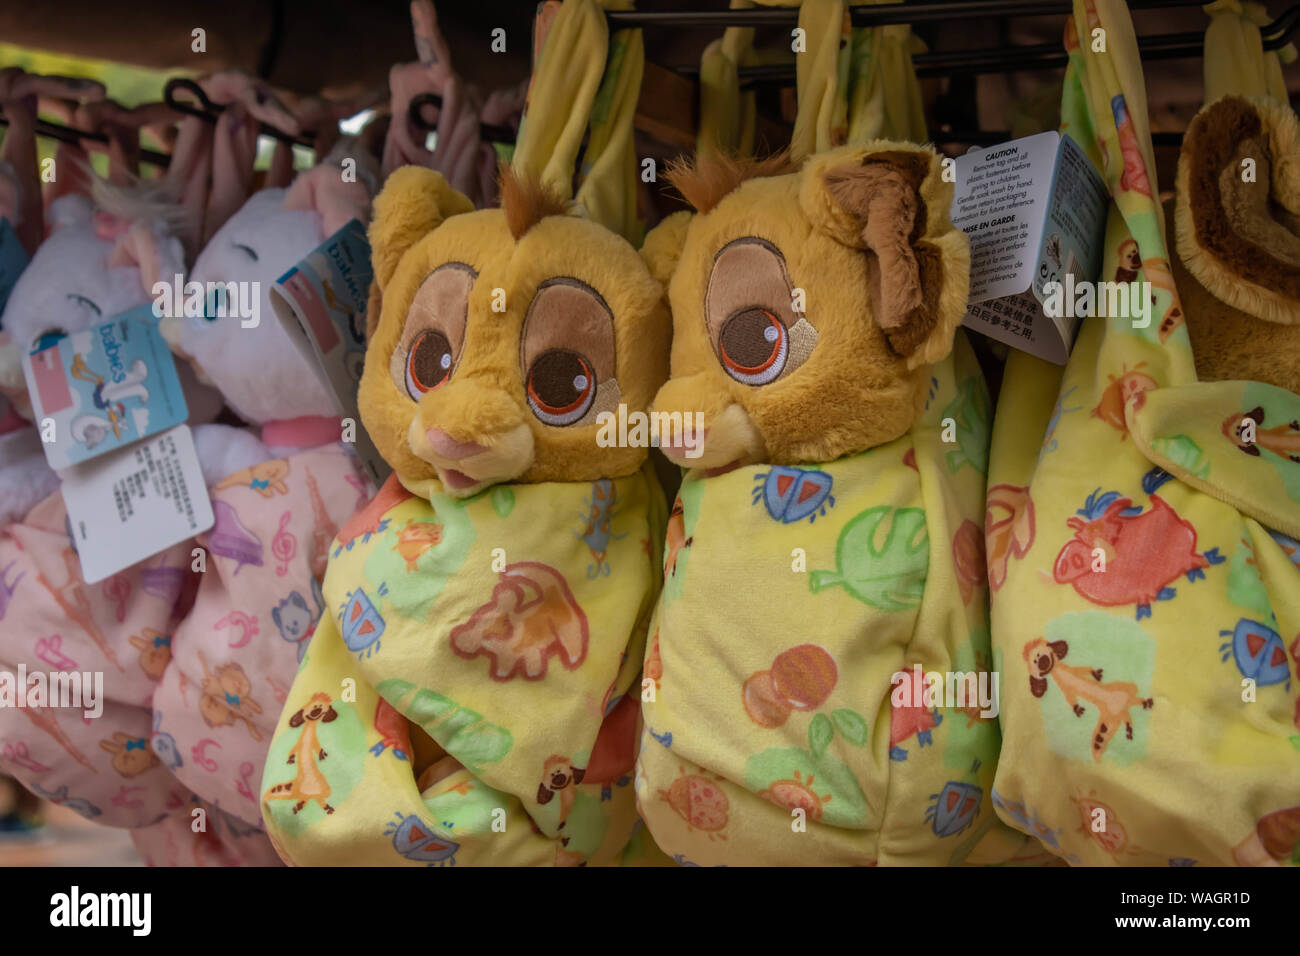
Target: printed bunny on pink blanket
point(95, 757)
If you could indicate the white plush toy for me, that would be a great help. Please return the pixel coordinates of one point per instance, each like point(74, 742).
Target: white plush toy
point(25, 476)
point(85, 272)
point(265, 377)
point(101, 258)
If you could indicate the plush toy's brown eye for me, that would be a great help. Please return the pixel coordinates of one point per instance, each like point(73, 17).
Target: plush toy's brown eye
point(561, 386)
point(753, 346)
point(428, 363)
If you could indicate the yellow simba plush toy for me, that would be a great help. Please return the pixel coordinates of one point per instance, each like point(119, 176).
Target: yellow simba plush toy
point(465, 697)
point(825, 587)
point(1144, 533)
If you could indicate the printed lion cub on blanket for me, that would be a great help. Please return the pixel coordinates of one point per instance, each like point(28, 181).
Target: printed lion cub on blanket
point(532, 616)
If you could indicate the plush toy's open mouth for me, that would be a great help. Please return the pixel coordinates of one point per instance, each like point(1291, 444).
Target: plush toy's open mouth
point(457, 480)
point(679, 451)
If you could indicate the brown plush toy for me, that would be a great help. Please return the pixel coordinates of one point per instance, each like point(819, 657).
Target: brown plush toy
point(1236, 219)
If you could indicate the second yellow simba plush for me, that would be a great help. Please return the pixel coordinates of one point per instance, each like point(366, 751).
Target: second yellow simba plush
point(825, 585)
point(464, 699)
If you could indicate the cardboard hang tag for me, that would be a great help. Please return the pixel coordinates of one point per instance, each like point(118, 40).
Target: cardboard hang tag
point(322, 303)
point(1035, 211)
point(103, 388)
point(110, 411)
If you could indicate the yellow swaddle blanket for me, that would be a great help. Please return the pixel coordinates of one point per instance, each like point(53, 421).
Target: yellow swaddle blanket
point(464, 700)
point(497, 631)
point(793, 598)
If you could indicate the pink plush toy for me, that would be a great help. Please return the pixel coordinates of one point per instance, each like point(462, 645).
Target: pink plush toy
point(236, 651)
point(101, 258)
point(102, 759)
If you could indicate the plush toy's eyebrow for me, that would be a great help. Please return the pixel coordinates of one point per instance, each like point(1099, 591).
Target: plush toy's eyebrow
point(578, 284)
point(568, 313)
point(461, 266)
point(749, 240)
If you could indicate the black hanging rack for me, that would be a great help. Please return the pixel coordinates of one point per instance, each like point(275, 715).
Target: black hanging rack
point(1042, 56)
point(75, 137)
point(944, 63)
point(208, 111)
point(865, 16)
point(489, 131)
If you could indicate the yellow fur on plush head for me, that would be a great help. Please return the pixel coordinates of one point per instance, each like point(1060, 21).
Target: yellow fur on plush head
point(860, 240)
point(567, 294)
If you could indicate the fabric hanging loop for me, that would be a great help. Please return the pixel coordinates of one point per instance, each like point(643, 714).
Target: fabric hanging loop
point(1235, 58)
point(563, 87)
point(1104, 108)
point(884, 94)
point(728, 115)
point(608, 175)
point(821, 46)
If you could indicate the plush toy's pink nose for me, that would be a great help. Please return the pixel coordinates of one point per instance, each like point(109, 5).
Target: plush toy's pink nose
point(448, 447)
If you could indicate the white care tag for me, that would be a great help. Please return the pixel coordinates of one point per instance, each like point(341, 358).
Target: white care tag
point(1035, 212)
point(134, 502)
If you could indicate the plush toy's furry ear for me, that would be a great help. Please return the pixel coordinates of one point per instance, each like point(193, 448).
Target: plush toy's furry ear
point(890, 200)
point(413, 202)
point(662, 247)
point(1240, 238)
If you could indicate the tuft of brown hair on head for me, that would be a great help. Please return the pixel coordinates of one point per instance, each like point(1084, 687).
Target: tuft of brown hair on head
point(526, 201)
point(704, 182)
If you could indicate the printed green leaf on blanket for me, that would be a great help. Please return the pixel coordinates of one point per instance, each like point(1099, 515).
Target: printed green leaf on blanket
point(1184, 453)
point(503, 500)
point(970, 416)
point(888, 574)
point(462, 732)
point(414, 561)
